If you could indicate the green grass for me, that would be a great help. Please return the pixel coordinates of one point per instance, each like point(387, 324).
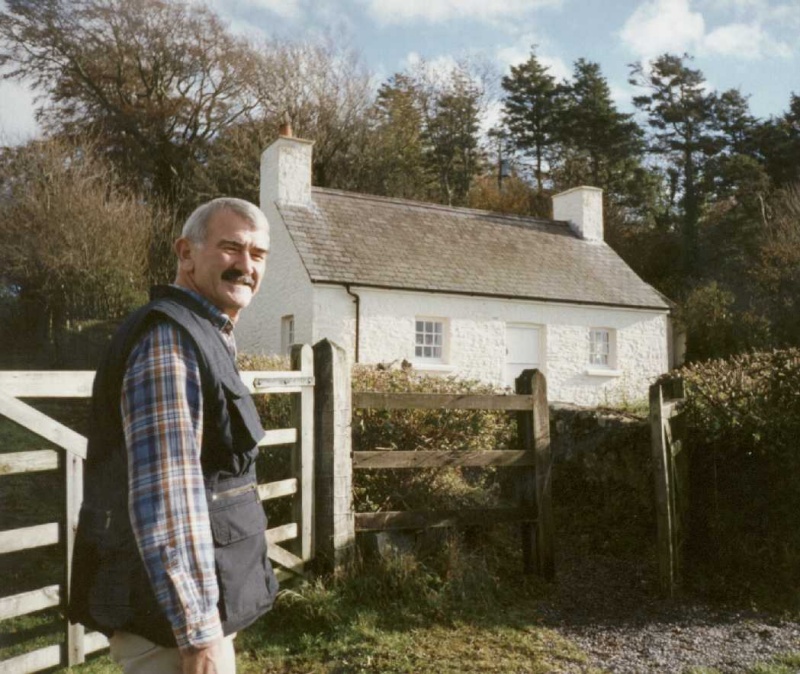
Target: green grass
point(454, 612)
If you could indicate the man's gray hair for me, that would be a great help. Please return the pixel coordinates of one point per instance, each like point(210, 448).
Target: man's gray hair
point(196, 227)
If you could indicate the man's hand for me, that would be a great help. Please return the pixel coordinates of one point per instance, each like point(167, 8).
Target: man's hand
point(204, 660)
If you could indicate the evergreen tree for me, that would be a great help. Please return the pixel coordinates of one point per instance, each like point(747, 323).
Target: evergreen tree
point(451, 136)
point(778, 145)
point(602, 146)
point(680, 115)
point(530, 111)
point(395, 149)
point(424, 142)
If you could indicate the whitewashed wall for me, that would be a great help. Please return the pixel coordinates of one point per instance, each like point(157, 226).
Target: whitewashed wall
point(285, 289)
point(476, 338)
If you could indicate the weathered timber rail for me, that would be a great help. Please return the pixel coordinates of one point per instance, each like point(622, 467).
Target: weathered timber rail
point(68, 458)
point(533, 462)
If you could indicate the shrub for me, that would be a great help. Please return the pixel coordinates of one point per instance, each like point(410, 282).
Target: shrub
point(744, 424)
point(409, 430)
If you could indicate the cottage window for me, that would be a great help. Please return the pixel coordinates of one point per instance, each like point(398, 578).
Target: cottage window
point(287, 334)
point(601, 347)
point(429, 340)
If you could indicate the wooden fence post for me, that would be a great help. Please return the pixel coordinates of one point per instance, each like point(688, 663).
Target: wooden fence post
point(335, 520)
point(535, 484)
point(303, 455)
point(671, 477)
point(662, 486)
point(74, 652)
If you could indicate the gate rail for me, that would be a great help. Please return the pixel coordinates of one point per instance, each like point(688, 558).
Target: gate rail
point(533, 462)
point(70, 455)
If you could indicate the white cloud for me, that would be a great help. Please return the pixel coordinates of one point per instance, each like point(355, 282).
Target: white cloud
point(659, 26)
point(438, 11)
point(17, 123)
point(747, 41)
point(512, 56)
point(556, 67)
point(622, 95)
point(521, 52)
point(287, 9)
point(492, 116)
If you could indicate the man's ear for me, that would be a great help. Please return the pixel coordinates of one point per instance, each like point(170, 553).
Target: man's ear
point(184, 250)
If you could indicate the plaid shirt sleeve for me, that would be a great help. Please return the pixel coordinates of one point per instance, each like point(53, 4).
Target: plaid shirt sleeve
point(163, 424)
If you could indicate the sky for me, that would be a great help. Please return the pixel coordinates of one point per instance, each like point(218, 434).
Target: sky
point(752, 45)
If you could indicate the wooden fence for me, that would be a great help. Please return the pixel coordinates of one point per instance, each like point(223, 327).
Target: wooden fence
point(532, 461)
point(324, 524)
point(671, 473)
point(68, 457)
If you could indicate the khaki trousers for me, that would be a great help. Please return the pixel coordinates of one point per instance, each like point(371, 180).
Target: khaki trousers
point(137, 655)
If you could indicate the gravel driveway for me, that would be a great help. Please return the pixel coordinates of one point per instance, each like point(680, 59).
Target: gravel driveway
point(610, 608)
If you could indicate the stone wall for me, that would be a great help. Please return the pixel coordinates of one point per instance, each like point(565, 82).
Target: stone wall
point(603, 447)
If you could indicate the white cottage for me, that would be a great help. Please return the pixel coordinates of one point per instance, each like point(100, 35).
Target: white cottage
point(454, 290)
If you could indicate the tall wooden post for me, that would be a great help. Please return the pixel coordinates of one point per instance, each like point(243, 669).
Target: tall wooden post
point(303, 455)
point(73, 473)
point(535, 484)
point(671, 499)
point(335, 521)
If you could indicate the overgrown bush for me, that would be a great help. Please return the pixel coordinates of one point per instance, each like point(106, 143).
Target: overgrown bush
point(410, 430)
point(744, 429)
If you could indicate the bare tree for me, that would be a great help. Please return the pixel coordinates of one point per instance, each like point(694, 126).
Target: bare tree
point(153, 80)
point(73, 240)
point(327, 93)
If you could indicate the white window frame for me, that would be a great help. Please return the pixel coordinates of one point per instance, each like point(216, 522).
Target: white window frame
point(287, 333)
point(603, 360)
point(600, 347)
point(432, 337)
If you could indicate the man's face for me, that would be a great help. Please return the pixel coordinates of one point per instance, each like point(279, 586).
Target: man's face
point(227, 268)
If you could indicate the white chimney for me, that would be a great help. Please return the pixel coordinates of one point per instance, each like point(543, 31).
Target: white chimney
point(286, 173)
point(582, 207)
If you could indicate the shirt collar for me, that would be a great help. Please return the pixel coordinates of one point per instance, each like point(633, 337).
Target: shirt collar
point(219, 318)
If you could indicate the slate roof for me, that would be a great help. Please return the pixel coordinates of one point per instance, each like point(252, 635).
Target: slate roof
point(393, 243)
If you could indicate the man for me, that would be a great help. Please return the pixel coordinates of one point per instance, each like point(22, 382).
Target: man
point(170, 556)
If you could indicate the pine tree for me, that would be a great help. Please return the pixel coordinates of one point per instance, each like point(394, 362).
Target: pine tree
point(530, 112)
point(602, 146)
point(680, 113)
point(451, 135)
point(397, 159)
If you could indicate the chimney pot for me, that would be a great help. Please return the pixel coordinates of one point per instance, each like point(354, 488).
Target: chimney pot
point(285, 129)
point(582, 208)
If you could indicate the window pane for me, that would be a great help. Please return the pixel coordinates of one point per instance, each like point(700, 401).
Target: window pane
point(437, 328)
point(427, 352)
point(420, 326)
point(418, 351)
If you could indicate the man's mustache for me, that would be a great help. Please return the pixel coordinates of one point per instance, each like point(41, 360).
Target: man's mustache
point(236, 276)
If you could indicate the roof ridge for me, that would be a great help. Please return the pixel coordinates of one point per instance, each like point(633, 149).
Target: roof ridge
point(440, 207)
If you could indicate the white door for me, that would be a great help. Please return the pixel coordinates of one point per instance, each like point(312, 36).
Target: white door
point(522, 350)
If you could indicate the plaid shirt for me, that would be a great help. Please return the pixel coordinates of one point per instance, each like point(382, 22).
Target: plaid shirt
point(162, 416)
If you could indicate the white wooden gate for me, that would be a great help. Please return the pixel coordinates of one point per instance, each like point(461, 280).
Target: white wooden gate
point(71, 453)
